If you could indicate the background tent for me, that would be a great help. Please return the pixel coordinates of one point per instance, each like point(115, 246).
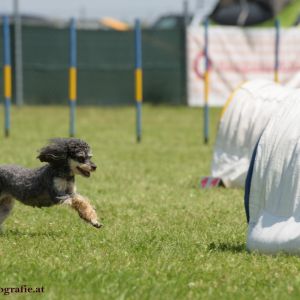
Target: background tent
point(272, 196)
point(244, 117)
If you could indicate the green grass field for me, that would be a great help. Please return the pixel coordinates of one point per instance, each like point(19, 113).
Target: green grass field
point(164, 238)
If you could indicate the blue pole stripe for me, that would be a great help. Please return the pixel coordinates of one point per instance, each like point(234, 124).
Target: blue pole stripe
point(206, 122)
point(139, 120)
point(7, 114)
point(138, 45)
point(72, 117)
point(73, 44)
point(6, 37)
point(206, 24)
point(277, 41)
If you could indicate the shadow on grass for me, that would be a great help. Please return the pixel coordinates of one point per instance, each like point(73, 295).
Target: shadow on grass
point(18, 233)
point(227, 247)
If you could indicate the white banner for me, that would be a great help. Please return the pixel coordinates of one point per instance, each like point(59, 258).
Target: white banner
point(237, 55)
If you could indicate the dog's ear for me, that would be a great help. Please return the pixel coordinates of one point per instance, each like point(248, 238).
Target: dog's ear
point(55, 153)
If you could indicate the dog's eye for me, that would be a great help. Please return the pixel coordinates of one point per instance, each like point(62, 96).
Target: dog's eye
point(81, 159)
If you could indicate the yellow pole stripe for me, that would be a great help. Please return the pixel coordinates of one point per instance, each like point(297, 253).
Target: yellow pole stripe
point(276, 77)
point(138, 85)
point(206, 86)
point(230, 99)
point(7, 82)
point(73, 84)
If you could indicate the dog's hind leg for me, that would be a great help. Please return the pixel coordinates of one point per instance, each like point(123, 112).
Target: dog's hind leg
point(6, 205)
point(84, 209)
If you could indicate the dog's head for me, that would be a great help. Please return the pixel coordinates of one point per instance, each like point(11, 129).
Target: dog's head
point(71, 152)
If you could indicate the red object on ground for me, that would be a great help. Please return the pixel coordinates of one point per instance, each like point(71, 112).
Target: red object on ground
point(210, 182)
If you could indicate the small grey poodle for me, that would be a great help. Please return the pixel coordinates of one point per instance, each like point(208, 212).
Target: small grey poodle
point(51, 184)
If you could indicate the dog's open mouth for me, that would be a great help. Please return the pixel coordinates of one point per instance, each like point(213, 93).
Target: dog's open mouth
point(84, 172)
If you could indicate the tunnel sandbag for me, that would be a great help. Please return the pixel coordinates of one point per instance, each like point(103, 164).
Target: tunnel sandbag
point(253, 13)
point(272, 197)
point(244, 117)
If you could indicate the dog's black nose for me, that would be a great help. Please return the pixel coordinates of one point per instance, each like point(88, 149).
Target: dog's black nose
point(94, 167)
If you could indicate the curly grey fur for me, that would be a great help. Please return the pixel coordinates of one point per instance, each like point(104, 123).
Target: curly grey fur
point(36, 187)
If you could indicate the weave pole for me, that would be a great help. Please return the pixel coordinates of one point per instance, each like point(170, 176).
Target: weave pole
point(277, 44)
point(138, 80)
point(7, 75)
point(206, 83)
point(18, 70)
point(73, 77)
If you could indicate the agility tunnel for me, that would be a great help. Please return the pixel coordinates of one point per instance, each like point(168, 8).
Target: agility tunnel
point(244, 117)
point(272, 194)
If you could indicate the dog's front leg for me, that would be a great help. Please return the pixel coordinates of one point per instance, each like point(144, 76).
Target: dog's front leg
point(84, 209)
point(6, 205)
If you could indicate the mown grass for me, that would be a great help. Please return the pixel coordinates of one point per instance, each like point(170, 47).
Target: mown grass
point(164, 238)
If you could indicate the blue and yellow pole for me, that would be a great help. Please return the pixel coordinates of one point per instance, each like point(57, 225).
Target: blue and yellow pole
point(73, 77)
point(138, 80)
point(277, 44)
point(206, 83)
point(7, 75)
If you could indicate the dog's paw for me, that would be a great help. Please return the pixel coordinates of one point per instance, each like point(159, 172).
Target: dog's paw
point(96, 224)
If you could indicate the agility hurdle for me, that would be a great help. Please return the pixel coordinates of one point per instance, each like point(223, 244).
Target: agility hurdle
point(206, 83)
point(138, 80)
point(7, 75)
point(73, 77)
point(277, 45)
